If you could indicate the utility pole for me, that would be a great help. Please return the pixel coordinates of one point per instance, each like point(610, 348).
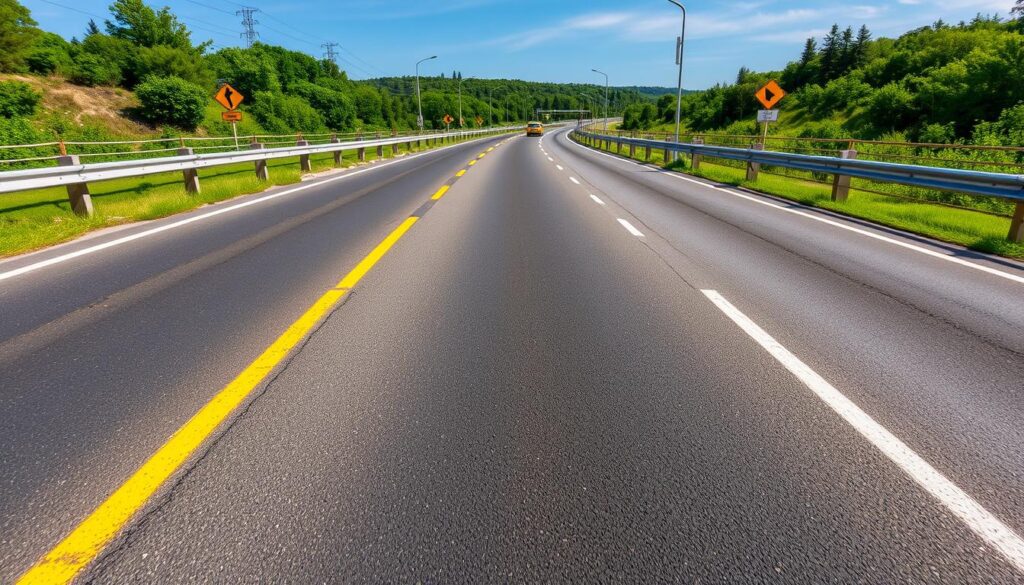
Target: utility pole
point(680, 45)
point(249, 25)
point(605, 98)
point(330, 54)
point(419, 102)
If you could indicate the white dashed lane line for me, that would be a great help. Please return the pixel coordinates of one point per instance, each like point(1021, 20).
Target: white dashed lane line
point(574, 180)
point(629, 228)
point(560, 167)
point(596, 199)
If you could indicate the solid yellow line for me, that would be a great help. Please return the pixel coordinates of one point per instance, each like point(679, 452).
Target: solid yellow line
point(88, 539)
point(440, 192)
point(460, 173)
point(373, 257)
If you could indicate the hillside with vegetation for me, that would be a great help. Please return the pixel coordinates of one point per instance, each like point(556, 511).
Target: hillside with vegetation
point(944, 83)
point(142, 73)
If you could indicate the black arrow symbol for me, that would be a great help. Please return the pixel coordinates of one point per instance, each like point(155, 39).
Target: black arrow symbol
point(768, 95)
point(229, 95)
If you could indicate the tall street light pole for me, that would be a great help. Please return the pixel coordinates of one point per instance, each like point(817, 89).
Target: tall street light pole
point(605, 98)
point(419, 101)
point(460, 103)
point(680, 45)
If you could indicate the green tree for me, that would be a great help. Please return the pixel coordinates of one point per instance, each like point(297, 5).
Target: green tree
point(171, 100)
point(145, 27)
point(17, 33)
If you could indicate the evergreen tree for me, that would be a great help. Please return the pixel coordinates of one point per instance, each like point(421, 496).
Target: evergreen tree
point(91, 28)
point(1018, 9)
point(830, 54)
point(846, 52)
point(811, 51)
point(860, 47)
point(742, 75)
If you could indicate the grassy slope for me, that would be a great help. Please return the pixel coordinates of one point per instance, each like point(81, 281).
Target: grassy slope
point(977, 231)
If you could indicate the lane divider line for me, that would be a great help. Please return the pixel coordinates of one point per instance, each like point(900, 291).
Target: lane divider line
point(472, 162)
point(597, 199)
point(91, 536)
point(560, 167)
point(440, 192)
point(985, 525)
point(940, 255)
point(228, 209)
point(629, 227)
point(551, 159)
point(574, 180)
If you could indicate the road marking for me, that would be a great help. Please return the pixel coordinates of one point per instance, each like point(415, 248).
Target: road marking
point(482, 154)
point(490, 149)
point(629, 227)
point(181, 223)
point(974, 515)
point(573, 179)
point(551, 159)
point(460, 173)
point(596, 199)
point(472, 162)
point(88, 539)
point(866, 233)
point(440, 192)
point(559, 167)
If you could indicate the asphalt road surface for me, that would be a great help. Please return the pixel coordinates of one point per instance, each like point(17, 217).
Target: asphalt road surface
point(570, 367)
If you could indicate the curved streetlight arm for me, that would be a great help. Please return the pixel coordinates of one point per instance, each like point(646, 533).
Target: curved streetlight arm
point(605, 98)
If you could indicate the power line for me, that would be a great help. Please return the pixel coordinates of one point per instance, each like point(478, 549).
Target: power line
point(249, 24)
point(330, 54)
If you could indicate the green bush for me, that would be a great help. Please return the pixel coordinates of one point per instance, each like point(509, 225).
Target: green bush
point(337, 109)
point(285, 113)
point(17, 99)
point(50, 54)
point(90, 70)
point(892, 107)
point(171, 100)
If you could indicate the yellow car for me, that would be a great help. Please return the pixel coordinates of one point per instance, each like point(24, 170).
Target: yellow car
point(535, 129)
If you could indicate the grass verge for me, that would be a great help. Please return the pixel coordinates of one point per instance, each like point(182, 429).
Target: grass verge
point(971, 229)
point(30, 220)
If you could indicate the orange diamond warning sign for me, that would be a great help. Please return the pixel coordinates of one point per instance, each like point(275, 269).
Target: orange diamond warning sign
point(229, 97)
point(770, 94)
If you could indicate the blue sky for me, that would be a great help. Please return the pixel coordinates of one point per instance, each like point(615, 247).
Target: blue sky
point(542, 40)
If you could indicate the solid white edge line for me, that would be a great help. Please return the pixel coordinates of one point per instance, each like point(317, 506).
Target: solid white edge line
point(260, 199)
point(574, 180)
point(629, 227)
point(596, 199)
point(926, 251)
point(974, 515)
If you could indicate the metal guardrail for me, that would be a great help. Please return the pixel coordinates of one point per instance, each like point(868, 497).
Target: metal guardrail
point(76, 177)
point(985, 183)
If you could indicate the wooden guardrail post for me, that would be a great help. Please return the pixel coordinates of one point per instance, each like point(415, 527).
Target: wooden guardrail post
point(394, 145)
point(618, 144)
point(696, 156)
point(647, 153)
point(632, 149)
point(1017, 224)
point(841, 183)
point(380, 148)
point(191, 176)
point(305, 165)
point(262, 170)
point(337, 153)
point(754, 168)
point(78, 193)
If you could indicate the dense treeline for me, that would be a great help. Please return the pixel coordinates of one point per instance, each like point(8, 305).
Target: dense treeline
point(151, 52)
point(941, 83)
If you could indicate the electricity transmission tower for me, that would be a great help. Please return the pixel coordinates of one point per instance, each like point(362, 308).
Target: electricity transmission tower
point(330, 54)
point(249, 24)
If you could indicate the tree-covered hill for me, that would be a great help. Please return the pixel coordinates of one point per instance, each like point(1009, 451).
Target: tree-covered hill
point(941, 83)
point(170, 78)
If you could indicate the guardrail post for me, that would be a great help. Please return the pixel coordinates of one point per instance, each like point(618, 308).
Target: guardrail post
point(262, 171)
point(618, 146)
point(394, 145)
point(841, 183)
point(191, 176)
point(667, 155)
point(304, 165)
point(696, 156)
point(647, 153)
point(632, 150)
point(337, 153)
point(754, 168)
point(380, 148)
point(78, 193)
point(1017, 224)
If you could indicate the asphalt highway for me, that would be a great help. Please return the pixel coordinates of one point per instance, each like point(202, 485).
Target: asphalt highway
point(563, 367)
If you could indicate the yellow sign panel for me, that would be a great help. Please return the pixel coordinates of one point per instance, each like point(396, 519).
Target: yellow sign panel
point(479, 121)
point(448, 119)
point(229, 97)
point(231, 116)
point(770, 94)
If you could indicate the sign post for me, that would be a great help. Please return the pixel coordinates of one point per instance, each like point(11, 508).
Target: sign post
point(769, 96)
point(229, 98)
point(448, 122)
